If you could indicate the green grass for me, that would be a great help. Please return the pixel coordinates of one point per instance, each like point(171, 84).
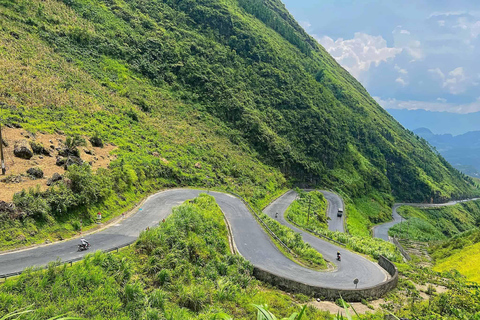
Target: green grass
point(297, 212)
point(465, 261)
point(314, 202)
point(182, 269)
point(437, 223)
point(461, 253)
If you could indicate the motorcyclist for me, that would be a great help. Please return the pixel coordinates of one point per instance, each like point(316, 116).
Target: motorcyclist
point(84, 243)
point(338, 256)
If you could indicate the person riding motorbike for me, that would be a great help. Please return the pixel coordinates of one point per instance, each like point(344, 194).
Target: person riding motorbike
point(339, 258)
point(84, 243)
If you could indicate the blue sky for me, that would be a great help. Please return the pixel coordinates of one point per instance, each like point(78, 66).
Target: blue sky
point(408, 54)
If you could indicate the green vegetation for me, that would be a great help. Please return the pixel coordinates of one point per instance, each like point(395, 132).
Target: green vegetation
point(459, 299)
point(304, 252)
point(183, 270)
point(225, 94)
point(437, 223)
point(314, 201)
point(179, 270)
point(461, 253)
point(373, 247)
point(365, 212)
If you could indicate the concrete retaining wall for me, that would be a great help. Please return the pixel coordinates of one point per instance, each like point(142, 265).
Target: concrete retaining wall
point(352, 295)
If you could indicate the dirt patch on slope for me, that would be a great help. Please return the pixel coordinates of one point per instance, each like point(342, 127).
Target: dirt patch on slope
point(16, 177)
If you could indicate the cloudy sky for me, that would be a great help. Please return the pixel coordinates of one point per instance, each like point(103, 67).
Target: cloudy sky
point(409, 54)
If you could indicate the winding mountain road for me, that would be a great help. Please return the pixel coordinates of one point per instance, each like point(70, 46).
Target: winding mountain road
point(252, 242)
point(381, 231)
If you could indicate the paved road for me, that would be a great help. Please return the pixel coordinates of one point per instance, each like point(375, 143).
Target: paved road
point(251, 240)
point(352, 265)
point(334, 202)
point(381, 231)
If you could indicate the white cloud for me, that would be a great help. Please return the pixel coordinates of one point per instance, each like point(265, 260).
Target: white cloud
point(401, 81)
point(439, 105)
point(406, 41)
point(403, 74)
point(400, 70)
point(358, 54)
point(456, 82)
point(475, 29)
point(441, 23)
point(437, 73)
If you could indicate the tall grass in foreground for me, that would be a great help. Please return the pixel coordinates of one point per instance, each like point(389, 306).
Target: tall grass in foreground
point(182, 269)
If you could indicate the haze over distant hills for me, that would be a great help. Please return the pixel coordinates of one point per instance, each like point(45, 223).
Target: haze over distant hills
point(462, 151)
point(437, 122)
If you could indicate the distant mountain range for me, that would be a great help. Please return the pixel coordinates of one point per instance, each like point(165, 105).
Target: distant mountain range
point(462, 151)
point(437, 122)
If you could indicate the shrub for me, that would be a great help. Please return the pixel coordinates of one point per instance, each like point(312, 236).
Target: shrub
point(96, 141)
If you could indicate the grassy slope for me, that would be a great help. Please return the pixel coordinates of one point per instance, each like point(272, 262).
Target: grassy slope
point(462, 253)
point(437, 223)
point(180, 270)
point(466, 262)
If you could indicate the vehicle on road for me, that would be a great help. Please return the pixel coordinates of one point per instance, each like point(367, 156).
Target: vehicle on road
point(340, 212)
point(84, 245)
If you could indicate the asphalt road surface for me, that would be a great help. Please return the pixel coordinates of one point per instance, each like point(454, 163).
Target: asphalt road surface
point(251, 240)
point(335, 223)
point(381, 231)
point(352, 265)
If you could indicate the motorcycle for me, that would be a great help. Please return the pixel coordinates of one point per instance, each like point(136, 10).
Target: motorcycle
point(339, 258)
point(82, 247)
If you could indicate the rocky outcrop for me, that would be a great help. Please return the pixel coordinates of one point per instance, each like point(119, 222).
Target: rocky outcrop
point(35, 172)
point(23, 150)
point(56, 177)
point(68, 161)
point(38, 148)
point(61, 161)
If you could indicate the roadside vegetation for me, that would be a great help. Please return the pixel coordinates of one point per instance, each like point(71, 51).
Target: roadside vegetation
point(182, 269)
point(430, 224)
point(298, 211)
point(309, 209)
point(461, 253)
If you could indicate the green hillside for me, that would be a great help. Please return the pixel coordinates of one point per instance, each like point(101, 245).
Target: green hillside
point(214, 93)
point(437, 223)
point(461, 253)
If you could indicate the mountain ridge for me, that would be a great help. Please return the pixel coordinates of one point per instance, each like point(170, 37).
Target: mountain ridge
point(462, 151)
point(439, 122)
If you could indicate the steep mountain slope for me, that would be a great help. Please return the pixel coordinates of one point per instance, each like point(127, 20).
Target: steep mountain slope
point(236, 87)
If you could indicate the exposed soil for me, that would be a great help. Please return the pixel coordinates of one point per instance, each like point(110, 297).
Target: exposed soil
point(359, 307)
point(16, 177)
